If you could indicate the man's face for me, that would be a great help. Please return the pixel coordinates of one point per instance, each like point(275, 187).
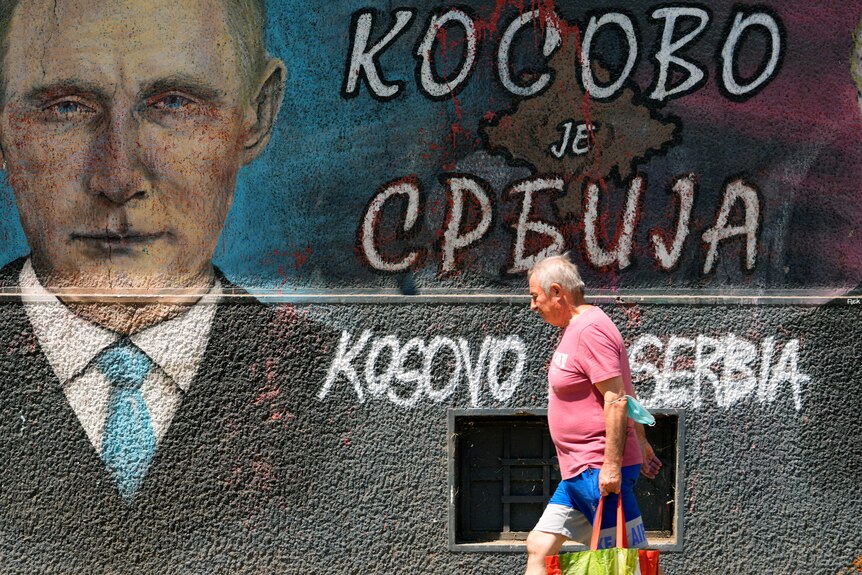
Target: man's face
point(123, 132)
point(549, 306)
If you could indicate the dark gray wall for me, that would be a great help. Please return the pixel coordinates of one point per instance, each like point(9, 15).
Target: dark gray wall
point(767, 486)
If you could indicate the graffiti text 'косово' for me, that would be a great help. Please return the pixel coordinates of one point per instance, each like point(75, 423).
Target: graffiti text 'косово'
point(681, 27)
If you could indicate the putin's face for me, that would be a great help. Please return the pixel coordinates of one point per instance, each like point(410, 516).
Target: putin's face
point(123, 128)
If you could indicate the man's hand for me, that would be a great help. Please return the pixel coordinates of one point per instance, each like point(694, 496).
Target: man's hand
point(651, 464)
point(610, 479)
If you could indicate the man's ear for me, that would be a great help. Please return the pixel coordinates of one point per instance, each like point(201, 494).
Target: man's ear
point(265, 104)
point(556, 290)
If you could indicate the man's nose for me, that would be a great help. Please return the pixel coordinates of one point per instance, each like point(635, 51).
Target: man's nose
point(533, 305)
point(117, 164)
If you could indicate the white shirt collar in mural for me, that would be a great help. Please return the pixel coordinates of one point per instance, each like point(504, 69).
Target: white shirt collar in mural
point(70, 343)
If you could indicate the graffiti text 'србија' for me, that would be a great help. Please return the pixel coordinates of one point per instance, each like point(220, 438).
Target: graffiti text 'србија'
point(462, 189)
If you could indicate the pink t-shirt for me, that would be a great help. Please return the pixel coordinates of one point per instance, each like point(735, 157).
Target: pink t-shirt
point(590, 352)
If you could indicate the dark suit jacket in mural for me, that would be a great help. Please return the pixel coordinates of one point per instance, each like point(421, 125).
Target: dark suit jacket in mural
point(229, 488)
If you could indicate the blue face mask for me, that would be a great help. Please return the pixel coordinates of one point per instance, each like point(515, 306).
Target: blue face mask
point(638, 412)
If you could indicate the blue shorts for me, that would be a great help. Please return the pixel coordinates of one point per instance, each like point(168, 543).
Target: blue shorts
point(572, 510)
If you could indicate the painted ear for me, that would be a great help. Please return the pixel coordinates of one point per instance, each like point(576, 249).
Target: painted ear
point(265, 106)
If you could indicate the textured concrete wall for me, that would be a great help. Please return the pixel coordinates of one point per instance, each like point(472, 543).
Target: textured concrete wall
point(762, 477)
point(771, 481)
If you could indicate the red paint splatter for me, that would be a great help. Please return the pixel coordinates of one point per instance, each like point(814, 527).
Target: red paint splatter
point(632, 311)
point(270, 370)
point(266, 396)
point(282, 273)
point(271, 391)
point(301, 257)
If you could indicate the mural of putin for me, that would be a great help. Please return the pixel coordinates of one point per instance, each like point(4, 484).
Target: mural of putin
point(134, 436)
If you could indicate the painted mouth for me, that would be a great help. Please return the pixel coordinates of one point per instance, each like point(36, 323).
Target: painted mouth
point(118, 242)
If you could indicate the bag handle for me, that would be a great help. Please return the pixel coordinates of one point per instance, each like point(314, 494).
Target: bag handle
point(622, 539)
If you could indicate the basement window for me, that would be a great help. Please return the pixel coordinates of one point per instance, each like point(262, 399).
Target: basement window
point(503, 470)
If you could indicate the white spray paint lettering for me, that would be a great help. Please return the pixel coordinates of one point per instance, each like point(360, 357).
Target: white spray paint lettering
point(465, 190)
point(621, 253)
point(499, 364)
point(428, 82)
point(735, 192)
point(522, 262)
point(364, 56)
point(736, 369)
point(667, 258)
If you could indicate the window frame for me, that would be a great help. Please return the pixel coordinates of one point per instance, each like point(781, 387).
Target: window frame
point(670, 544)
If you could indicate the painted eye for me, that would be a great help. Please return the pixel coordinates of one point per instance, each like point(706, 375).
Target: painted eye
point(172, 102)
point(69, 108)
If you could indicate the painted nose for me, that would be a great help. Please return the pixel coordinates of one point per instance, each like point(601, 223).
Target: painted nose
point(117, 171)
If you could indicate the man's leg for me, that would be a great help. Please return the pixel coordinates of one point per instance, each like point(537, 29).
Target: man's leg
point(539, 546)
point(559, 522)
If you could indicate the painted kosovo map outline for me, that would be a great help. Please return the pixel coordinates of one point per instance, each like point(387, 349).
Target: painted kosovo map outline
point(625, 132)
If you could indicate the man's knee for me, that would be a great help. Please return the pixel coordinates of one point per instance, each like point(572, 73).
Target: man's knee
point(541, 544)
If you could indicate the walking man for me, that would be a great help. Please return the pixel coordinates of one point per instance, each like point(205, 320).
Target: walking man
point(600, 450)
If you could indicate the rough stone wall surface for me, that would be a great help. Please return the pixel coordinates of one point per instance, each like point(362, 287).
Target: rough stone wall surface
point(767, 486)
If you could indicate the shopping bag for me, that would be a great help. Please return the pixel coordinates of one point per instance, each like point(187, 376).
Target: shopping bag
point(648, 561)
point(616, 561)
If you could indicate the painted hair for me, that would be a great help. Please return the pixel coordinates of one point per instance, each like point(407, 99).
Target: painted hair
point(246, 23)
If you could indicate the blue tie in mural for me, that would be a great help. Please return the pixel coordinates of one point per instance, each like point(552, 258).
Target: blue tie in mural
point(129, 442)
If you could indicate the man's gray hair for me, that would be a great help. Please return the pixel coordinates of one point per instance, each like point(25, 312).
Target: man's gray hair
point(558, 270)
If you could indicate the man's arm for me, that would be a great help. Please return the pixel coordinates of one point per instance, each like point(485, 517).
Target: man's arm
point(616, 413)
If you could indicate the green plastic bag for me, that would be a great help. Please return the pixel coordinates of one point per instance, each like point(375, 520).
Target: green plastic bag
point(616, 561)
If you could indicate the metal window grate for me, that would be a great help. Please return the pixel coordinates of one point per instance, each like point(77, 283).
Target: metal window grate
point(505, 473)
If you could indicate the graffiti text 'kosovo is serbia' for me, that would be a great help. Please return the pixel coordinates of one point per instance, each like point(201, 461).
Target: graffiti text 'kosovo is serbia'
point(671, 372)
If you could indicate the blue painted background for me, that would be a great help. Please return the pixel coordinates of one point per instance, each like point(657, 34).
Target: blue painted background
point(297, 209)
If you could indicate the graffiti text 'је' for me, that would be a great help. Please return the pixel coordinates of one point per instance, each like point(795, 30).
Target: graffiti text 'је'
point(667, 247)
point(681, 25)
point(577, 144)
